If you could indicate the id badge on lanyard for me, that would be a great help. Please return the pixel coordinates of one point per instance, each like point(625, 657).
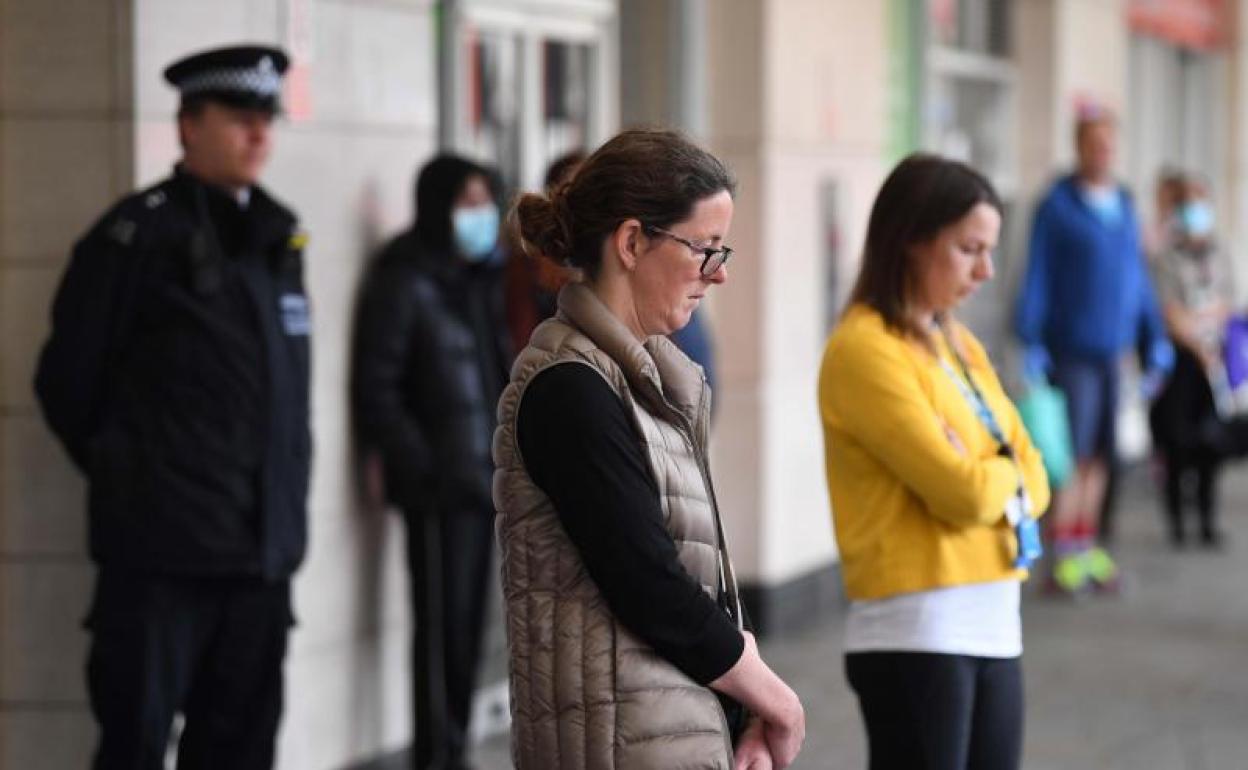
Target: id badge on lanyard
point(1030, 549)
point(1026, 529)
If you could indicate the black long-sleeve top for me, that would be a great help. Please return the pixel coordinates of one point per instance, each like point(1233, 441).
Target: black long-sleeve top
point(580, 448)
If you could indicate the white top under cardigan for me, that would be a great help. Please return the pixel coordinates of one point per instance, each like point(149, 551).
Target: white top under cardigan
point(981, 620)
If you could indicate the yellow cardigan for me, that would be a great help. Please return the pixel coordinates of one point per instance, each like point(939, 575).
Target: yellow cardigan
point(912, 513)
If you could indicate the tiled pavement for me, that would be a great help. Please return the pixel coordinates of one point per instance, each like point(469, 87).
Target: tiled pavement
point(1156, 680)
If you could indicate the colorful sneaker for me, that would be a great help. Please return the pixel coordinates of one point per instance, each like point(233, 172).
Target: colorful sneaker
point(1069, 576)
point(1102, 571)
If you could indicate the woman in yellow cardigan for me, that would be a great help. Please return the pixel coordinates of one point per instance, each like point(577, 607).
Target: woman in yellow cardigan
point(934, 482)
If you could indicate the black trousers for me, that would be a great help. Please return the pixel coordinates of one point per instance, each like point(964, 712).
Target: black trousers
point(210, 648)
point(1193, 442)
point(927, 711)
point(1178, 476)
point(449, 560)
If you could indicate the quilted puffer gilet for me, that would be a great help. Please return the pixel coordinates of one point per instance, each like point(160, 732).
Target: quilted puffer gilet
point(585, 691)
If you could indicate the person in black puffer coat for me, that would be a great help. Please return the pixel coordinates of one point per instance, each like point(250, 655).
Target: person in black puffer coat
point(430, 361)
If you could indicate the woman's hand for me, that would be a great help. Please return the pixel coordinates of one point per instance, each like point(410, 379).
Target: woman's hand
point(758, 688)
point(752, 752)
point(786, 735)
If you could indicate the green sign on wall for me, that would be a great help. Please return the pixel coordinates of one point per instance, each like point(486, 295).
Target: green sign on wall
point(905, 68)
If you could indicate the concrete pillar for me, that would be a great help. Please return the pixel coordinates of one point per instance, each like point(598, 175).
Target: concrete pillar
point(687, 46)
point(736, 309)
point(1238, 152)
point(65, 103)
point(1035, 39)
point(646, 62)
point(797, 106)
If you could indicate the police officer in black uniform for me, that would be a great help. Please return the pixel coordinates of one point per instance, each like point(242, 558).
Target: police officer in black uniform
point(176, 376)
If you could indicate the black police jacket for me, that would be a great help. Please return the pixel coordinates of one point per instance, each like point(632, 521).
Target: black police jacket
point(429, 364)
point(176, 376)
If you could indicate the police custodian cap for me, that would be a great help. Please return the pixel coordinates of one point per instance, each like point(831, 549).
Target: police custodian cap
point(248, 76)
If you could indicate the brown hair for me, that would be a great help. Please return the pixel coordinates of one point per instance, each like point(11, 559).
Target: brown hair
point(655, 176)
point(923, 195)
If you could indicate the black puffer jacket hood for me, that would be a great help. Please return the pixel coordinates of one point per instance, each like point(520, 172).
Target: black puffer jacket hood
point(440, 181)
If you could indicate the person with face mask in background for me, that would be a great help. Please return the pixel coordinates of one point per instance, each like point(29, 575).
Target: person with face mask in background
point(1193, 418)
point(430, 361)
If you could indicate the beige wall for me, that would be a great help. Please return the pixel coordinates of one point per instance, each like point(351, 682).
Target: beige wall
point(85, 117)
point(64, 151)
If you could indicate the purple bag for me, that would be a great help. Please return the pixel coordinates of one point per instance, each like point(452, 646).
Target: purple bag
point(1235, 351)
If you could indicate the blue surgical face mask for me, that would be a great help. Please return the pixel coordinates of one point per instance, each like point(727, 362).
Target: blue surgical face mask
point(476, 231)
point(1196, 218)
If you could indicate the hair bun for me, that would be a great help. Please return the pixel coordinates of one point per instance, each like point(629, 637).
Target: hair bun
point(542, 224)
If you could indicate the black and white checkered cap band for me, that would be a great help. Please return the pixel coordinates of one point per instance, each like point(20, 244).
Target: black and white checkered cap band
point(261, 81)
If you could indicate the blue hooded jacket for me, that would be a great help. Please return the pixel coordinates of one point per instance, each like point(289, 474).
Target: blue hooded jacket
point(1086, 292)
point(694, 340)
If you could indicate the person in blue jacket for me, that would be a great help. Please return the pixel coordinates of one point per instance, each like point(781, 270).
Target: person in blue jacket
point(1085, 297)
point(694, 340)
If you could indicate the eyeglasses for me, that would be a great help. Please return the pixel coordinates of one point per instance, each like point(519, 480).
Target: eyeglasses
point(712, 258)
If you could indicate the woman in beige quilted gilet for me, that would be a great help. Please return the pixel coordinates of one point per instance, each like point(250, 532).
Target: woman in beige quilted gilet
point(627, 641)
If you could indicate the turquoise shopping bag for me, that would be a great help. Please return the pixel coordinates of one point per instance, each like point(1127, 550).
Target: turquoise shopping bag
point(1043, 410)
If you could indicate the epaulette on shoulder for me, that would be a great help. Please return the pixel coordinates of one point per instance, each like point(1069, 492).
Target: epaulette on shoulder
point(133, 212)
point(149, 199)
